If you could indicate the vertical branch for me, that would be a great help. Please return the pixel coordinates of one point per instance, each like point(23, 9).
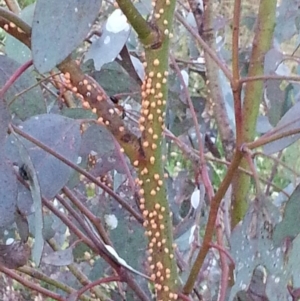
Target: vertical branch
point(253, 95)
point(235, 84)
point(213, 84)
point(153, 202)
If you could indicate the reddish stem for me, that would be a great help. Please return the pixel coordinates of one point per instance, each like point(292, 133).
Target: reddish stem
point(14, 77)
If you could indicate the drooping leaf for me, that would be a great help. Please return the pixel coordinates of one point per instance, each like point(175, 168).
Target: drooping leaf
point(114, 36)
point(35, 190)
point(60, 258)
point(58, 27)
point(289, 226)
point(286, 18)
point(8, 193)
point(22, 225)
point(112, 72)
point(290, 121)
point(251, 245)
point(4, 121)
point(29, 103)
point(98, 150)
point(59, 133)
point(274, 96)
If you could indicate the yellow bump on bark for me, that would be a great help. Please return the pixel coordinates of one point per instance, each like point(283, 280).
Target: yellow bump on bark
point(162, 227)
point(160, 217)
point(157, 234)
point(163, 209)
point(159, 265)
point(150, 131)
point(121, 128)
point(136, 163)
point(145, 104)
point(151, 74)
point(145, 213)
point(142, 191)
point(152, 160)
point(156, 62)
point(153, 240)
point(157, 16)
point(153, 192)
point(89, 87)
point(158, 75)
point(122, 150)
point(86, 105)
point(153, 105)
point(155, 136)
point(154, 146)
point(12, 25)
point(145, 143)
point(142, 206)
point(166, 32)
point(157, 206)
point(158, 286)
point(6, 27)
point(166, 288)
